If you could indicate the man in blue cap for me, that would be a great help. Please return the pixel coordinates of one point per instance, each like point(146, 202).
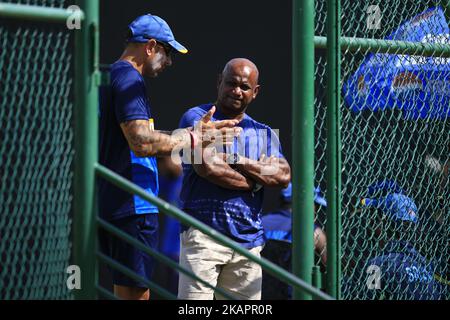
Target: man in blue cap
point(278, 248)
point(129, 146)
point(399, 272)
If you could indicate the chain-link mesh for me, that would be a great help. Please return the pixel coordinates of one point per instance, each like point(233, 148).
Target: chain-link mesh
point(36, 157)
point(42, 3)
point(395, 126)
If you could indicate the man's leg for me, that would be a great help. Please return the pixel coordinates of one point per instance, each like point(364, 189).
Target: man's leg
point(242, 277)
point(205, 258)
point(131, 293)
point(143, 228)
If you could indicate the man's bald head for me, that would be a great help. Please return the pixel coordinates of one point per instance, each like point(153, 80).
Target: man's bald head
point(237, 87)
point(239, 63)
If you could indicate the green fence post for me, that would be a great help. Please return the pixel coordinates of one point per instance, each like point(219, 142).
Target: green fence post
point(303, 141)
point(333, 148)
point(316, 278)
point(86, 144)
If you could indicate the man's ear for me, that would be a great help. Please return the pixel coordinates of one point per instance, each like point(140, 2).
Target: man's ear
point(256, 91)
point(150, 47)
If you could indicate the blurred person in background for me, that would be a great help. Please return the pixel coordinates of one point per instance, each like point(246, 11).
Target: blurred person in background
point(397, 270)
point(170, 174)
point(278, 248)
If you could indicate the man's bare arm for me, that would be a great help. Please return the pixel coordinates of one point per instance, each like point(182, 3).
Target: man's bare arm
point(147, 143)
point(269, 172)
point(214, 169)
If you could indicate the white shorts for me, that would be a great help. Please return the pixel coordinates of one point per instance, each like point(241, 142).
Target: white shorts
point(219, 266)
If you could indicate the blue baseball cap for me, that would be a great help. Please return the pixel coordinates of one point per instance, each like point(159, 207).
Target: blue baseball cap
point(153, 27)
point(385, 185)
point(286, 195)
point(397, 207)
point(318, 197)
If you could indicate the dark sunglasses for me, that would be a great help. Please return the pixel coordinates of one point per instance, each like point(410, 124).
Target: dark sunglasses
point(167, 48)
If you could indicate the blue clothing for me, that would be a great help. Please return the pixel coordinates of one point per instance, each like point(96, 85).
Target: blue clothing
point(141, 227)
point(169, 189)
point(278, 225)
point(236, 214)
point(405, 274)
point(124, 100)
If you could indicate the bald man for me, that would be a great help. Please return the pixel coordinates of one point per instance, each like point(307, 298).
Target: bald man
point(225, 190)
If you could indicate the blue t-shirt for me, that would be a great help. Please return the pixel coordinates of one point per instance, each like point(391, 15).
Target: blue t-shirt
point(278, 225)
point(236, 214)
point(405, 274)
point(123, 100)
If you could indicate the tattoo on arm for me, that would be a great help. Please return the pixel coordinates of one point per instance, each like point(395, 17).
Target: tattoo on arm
point(169, 133)
point(145, 142)
point(137, 132)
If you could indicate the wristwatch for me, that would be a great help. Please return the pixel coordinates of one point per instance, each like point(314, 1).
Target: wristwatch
point(257, 187)
point(233, 159)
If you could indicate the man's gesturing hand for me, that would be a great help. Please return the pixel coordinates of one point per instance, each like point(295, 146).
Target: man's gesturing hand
point(207, 131)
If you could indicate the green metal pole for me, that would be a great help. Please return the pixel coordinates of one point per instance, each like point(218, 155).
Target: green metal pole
point(86, 144)
point(133, 275)
point(303, 142)
point(188, 220)
point(388, 46)
point(333, 148)
point(316, 278)
point(37, 13)
point(161, 258)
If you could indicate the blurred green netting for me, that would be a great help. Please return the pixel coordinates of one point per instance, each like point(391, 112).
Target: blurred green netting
point(42, 3)
point(36, 157)
point(386, 143)
point(37, 153)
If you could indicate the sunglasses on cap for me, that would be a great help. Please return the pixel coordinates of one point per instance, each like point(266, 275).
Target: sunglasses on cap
point(167, 48)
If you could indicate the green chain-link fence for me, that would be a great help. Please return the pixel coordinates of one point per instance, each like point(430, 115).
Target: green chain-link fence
point(395, 127)
point(36, 155)
point(387, 134)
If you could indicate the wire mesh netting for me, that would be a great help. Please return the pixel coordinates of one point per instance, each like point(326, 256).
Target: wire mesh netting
point(395, 130)
point(36, 157)
point(42, 3)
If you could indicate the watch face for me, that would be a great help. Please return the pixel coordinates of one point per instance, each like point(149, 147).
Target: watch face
point(233, 158)
point(236, 158)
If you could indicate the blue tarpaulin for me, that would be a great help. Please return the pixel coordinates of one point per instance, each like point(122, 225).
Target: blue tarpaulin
point(418, 86)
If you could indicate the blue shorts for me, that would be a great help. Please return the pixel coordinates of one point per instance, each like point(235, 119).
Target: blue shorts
point(143, 227)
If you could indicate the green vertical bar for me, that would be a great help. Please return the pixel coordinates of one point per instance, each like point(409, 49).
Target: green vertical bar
point(333, 148)
point(303, 141)
point(86, 144)
point(316, 278)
